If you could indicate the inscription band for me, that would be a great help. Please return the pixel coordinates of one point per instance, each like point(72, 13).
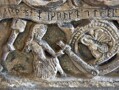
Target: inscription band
point(25, 12)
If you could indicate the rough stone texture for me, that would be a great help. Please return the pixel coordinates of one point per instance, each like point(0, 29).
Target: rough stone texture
point(102, 2)
point(59, 43)
point(20, 63)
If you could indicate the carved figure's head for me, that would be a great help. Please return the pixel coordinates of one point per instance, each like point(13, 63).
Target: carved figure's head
point(39, 31)
point(87, 40)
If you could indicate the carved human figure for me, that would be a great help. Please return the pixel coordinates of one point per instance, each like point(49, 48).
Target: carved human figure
point(18, 26)
point(45, 67)
point(97, 42)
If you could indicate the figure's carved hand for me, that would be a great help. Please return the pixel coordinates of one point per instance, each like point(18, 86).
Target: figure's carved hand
point(59, 53)
point(63, 46)
point(67, 48)
point(10, 47)
point(28, 46)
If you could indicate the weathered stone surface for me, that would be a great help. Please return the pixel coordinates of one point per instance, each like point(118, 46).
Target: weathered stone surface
point(19, 63)
point(59, 43)
point(102, 2)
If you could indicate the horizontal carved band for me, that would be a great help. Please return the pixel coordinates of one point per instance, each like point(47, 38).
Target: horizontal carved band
point(26, 12)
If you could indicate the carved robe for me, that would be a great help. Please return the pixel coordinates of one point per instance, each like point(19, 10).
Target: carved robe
point(45, 67)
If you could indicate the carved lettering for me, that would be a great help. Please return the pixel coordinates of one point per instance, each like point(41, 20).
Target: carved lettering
point(55, 16)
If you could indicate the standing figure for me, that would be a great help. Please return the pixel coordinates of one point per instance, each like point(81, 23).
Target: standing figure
point(46, 66)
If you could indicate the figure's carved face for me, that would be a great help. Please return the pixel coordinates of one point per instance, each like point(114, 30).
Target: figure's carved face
point(96, 40)
point(87, 40)
point(39, 31)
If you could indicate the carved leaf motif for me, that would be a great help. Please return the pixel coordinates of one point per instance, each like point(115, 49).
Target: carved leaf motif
point(102, 36)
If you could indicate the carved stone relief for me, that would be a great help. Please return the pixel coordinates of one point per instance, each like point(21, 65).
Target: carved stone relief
point(59, 43)
point(102, 2)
